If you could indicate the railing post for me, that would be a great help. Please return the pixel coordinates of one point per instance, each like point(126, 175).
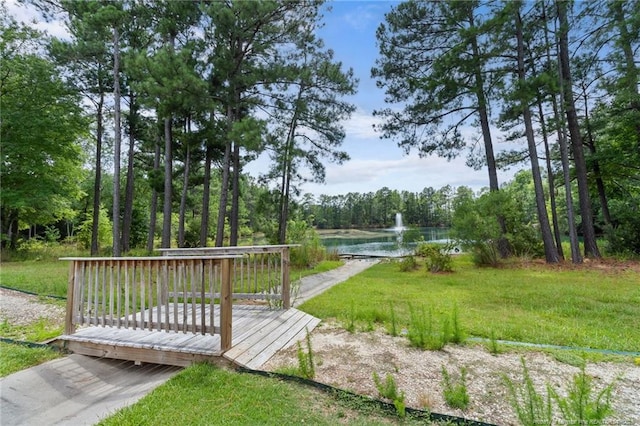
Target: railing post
point(69, 326)
point(286, 285)
point(226, 306)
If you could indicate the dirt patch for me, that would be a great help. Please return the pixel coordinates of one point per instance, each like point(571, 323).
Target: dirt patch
point(348, 361)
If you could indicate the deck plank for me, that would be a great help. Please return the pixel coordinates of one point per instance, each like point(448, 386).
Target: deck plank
point(263, 344)
point(258, 355)
point(258, 333)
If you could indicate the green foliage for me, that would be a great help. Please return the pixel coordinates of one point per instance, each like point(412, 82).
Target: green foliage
point(392, 329)
point(475, 224)
point(42, 123)
point(623, 238)
point(580, 406)
point(105, 234)
point(306, 363)
point(493, 346)
point(455, 394)
point(421, 332)
point(438, 256)
point(531, 407)
point(389, 390)
point(457, 335)
point(407, 264)
point(311, 251)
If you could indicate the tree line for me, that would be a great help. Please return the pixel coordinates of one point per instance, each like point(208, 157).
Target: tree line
point(137, 126)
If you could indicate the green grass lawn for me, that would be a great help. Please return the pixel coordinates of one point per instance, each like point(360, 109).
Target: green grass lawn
point(17, 357)
point(583, 306)
point(44, 277)
point(205, 395)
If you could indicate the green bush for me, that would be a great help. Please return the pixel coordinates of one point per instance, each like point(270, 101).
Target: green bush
point(438, 256)
point(311, 251)
point(105, 230)
point(476, 226)
point(408, 264)
point(623, 238)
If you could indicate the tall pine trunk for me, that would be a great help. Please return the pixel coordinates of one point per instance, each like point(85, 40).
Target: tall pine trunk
point(234, 219)
point(224, 194)
point(576, 257)
point(590, 245)
point(168, 168)
point(154, 197)
point(116, 143)
point(551, 254)
point(97, 181)
point(285, 184)
point(129, 186)
point(206, 196)
point(183, 197)
point(503, 244)
point(168, 186)
point(597, 173)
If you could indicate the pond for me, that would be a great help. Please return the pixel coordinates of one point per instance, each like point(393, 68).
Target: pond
point(392, 242)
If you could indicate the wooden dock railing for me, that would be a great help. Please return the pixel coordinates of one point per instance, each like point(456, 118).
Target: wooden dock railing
point(258, 272)
point(169, 293)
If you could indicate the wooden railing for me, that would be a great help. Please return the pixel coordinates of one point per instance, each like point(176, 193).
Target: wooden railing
point(258, 272)
point(169, 293)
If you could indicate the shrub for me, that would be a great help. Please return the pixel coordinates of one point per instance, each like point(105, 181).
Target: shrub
point(408, 264)
point(438, 256)
point(311, 251)
point(476, 226)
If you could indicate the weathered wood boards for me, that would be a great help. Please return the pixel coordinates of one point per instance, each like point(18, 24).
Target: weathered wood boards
point(259, 332)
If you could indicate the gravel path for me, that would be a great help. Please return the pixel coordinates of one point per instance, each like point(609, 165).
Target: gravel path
point(21, 309)
point(348, 361)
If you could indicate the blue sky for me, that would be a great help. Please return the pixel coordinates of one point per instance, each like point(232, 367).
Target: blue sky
point(349, 31)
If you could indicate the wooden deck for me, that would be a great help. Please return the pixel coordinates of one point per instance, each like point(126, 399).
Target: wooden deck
point(258, 333)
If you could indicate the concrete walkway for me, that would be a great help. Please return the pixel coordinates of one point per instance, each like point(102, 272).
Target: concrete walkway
point(76, 390)
point(80, 390)
point(313, 285)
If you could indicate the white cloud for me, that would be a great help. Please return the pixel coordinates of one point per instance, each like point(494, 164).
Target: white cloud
point(410, 173)
point(360, 125)
point(363, 16)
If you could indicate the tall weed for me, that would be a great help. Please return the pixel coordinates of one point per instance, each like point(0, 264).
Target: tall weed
point(455, 394)
point(532, 408)
point(389, 390)
point(306, 363)
point(581, 406)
